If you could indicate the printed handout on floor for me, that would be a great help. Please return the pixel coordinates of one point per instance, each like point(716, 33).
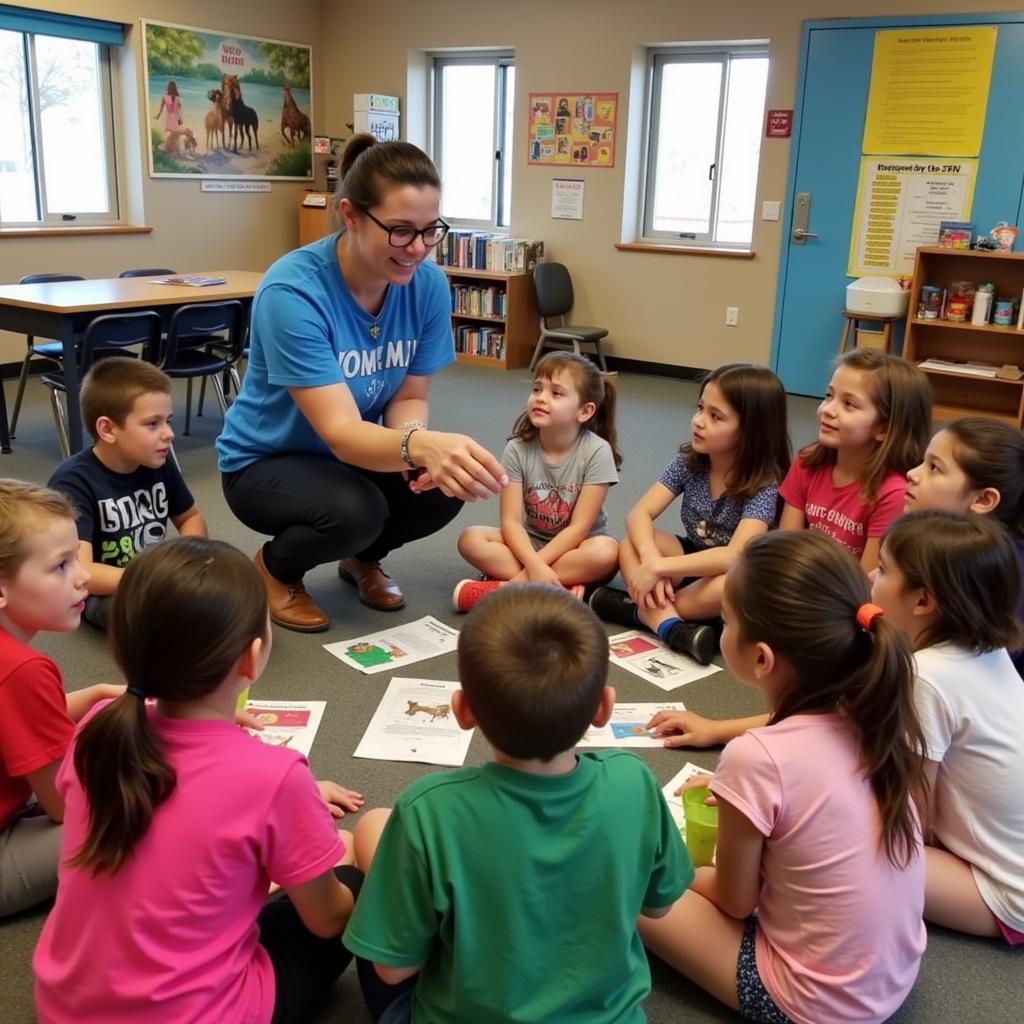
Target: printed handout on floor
point(628, 727)
point(414, 722)
point(675, 803)
point(395, 648)
point(287, 723)
point(646, 656)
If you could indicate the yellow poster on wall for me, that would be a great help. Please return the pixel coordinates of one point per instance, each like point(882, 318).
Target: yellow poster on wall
point(929, 90)
point(900, 203)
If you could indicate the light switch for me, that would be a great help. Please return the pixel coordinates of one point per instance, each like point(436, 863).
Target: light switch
point(770, 209)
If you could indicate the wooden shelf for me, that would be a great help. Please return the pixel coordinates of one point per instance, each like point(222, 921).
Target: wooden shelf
point(522, 326)
point(963, 394)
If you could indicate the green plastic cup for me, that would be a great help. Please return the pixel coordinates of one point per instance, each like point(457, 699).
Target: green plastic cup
point(701, 826)
point(243, 699)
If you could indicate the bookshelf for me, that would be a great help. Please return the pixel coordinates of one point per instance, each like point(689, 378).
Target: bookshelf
point(514, 317)
point(963, 394)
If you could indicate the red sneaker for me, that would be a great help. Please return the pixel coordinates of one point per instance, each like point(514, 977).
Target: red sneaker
point(468, 592)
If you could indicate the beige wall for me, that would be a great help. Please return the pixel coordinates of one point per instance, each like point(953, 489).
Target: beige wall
point(662, 308)
point(192, 230)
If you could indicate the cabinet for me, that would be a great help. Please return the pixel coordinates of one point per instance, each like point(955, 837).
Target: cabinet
point(514, 318)
point(963, 393)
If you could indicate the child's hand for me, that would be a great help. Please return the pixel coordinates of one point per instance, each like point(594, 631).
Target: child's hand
point(542, 573)
point(338, 798)
point(699, 782)
point(684, 729)
point(247, 720)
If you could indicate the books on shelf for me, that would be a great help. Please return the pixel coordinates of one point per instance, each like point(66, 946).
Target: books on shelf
point(480, 341)
point(482, 250)
point(472, 300)
point(969, 369)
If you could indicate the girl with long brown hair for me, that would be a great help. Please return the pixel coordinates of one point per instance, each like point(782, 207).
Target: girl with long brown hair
point(813, 909)
point(728, 476)
point(176, 822)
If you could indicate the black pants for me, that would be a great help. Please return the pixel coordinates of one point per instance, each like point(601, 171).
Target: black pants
point(318, 510)
point(379, 995)
point(305, 966)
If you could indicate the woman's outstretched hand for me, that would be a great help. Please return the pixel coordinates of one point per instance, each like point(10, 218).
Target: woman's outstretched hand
point(456, 464)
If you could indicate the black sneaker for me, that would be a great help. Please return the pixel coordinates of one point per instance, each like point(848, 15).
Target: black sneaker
point(697, 639)
point(611, 605)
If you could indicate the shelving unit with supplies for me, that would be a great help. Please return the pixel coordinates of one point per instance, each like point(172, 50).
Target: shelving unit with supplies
point(518, 324)
point(964, 392)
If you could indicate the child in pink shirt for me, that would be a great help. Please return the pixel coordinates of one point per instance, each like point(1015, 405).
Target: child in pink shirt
point(177, 822)
point(812, 912)
point(873, 426)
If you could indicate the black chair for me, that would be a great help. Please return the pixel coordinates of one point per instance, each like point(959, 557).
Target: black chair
point(201, 320)
point(552, 287)
point(147, 272)
point(51, 351)
point(113, 334)
point(5, 436)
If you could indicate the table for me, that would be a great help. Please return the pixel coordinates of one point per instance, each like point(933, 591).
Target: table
point(63, 309)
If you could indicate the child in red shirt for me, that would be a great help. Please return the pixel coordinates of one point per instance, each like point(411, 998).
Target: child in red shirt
point(42, 586)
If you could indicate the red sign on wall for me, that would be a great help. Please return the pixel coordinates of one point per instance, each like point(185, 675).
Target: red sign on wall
point(779, 124)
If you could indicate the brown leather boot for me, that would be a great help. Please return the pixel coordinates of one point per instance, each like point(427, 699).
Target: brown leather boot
point(290, 605)
point(376, 588)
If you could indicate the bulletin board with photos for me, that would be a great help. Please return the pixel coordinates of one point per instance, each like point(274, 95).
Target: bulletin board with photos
point(573, 129)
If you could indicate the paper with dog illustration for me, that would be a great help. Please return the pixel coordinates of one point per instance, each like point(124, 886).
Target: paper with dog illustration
point(287, 723)
point(395, 648)
point(414, 722)
point(675, 803)
point(628, 726)
point(646, 656)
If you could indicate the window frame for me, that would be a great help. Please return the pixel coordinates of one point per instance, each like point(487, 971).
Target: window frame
point(657, 58)
point(503, 60)
point(107, 127)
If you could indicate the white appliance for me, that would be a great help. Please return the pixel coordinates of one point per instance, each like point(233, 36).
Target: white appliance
point(877, 296)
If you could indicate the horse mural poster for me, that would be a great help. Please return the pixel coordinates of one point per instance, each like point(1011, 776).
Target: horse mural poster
point(226, 106)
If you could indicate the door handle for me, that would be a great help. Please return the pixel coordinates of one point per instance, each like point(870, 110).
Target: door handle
point(799, 234)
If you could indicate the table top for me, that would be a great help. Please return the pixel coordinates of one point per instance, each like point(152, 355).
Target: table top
point(106, 294)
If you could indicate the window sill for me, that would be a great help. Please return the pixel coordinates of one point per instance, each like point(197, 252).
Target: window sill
point(66, 230)
point(685, 250)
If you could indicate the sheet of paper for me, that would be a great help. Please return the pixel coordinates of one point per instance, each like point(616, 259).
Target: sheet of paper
point(628, 726)
point(646, 656)
point(414, 722)
point(396, 647)
point(287, 723)
point(675, 803)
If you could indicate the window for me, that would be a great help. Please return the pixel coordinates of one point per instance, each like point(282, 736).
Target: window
point(473, 120)
point(704, 140)
point(57, 148)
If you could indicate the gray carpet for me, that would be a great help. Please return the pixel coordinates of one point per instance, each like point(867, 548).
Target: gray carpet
point(961, 979)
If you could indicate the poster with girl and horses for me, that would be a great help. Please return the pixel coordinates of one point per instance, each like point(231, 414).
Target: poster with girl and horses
point(226, 106)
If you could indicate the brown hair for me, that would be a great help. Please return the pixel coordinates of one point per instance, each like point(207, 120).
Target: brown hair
point(991, 454)
point(969, 564)
point(533, 663)
point(368, 167)
point(112, 385)
point(591, 385)
point(902, 396)
point(799, 592)
point(184, 612)
point(24, 509)
point(172, 88)
point(759, 400)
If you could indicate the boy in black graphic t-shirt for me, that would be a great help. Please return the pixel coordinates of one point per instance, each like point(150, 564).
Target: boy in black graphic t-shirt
point(126, 487)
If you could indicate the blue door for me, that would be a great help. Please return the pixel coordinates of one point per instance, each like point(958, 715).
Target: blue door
point(829, 126)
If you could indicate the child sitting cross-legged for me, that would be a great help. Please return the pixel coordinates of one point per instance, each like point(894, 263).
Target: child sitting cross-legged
point(492, 885)
point(127, 485)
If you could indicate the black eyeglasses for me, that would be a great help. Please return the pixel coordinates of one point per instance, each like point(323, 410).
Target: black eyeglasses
point(402, 235)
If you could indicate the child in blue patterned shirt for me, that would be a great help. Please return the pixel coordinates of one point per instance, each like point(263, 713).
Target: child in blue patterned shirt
point(728, 474)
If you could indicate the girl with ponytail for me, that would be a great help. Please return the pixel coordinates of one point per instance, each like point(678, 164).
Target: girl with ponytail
point(177, 822)
point(818, 831)
point(951, 581)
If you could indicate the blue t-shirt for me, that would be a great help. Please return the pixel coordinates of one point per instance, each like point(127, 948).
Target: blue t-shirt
point(711, 522)
point(307, 331)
